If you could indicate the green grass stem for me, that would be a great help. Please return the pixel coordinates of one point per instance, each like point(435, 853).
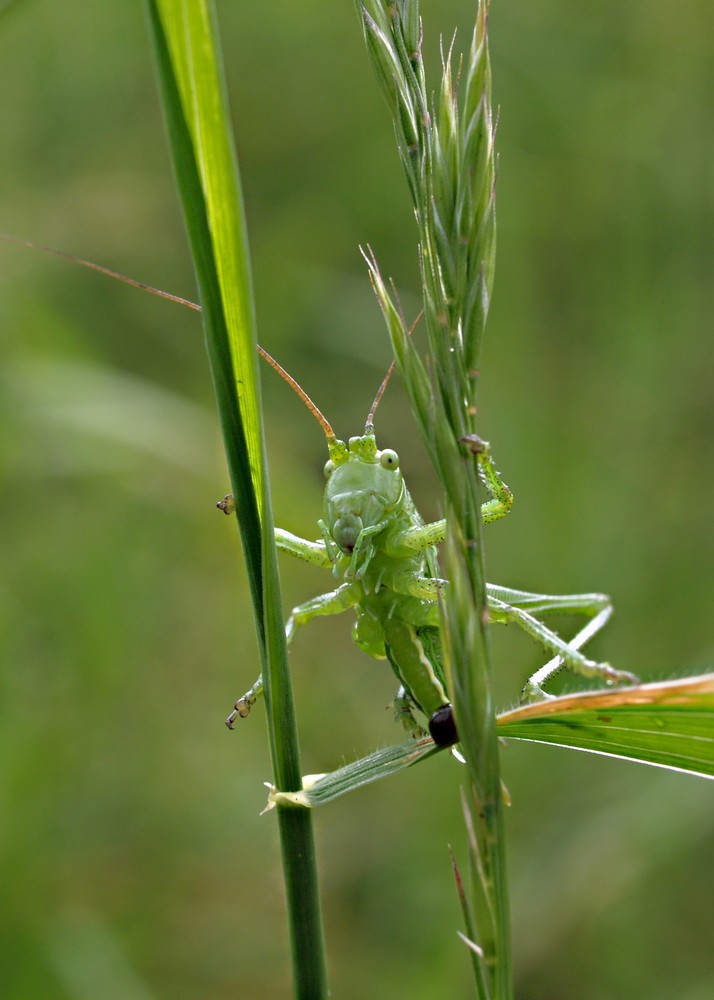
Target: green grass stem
point(446, 148)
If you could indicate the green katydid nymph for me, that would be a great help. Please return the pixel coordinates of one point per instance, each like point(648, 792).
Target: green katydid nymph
point(384, 555)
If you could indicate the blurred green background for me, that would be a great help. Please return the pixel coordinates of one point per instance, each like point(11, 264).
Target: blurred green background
point(133, 861)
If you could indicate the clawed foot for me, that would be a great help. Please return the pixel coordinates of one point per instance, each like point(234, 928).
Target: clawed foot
point(534, 692)
point(241, 709)
point(227, 504)
point(612, 676)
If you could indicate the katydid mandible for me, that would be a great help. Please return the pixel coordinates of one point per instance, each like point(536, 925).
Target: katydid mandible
point(384, 555)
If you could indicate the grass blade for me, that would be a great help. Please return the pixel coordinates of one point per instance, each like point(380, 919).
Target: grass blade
point(230, 346)
point(668, 724)
point(319, 789)
point(200, 138)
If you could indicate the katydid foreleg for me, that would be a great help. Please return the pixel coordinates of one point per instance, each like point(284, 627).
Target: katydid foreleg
point(363, 551)
point(501, 497)
point(422, 536)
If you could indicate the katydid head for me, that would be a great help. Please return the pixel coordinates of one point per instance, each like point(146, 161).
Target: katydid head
point(364, 488)
point(364, 485)
point(361, 485)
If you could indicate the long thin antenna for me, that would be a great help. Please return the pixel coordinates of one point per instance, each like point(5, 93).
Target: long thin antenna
point(317, 414)
point(102, 270)
point(296, 387)
point(369, 426)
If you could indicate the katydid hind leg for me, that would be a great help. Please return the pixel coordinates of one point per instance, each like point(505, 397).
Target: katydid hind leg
point(542, 604)
point(533, 688)
point(523, 609)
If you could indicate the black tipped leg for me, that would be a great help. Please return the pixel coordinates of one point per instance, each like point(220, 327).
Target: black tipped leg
point(442, 727)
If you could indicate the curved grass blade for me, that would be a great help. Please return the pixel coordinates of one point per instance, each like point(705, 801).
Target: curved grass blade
point(319, 789)
point(668, 724)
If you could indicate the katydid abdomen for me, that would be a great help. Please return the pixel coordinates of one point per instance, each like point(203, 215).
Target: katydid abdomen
point(405, 630)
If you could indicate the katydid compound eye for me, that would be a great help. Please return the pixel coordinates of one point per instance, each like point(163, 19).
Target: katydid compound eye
point(389, 459)
point(329, 468)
